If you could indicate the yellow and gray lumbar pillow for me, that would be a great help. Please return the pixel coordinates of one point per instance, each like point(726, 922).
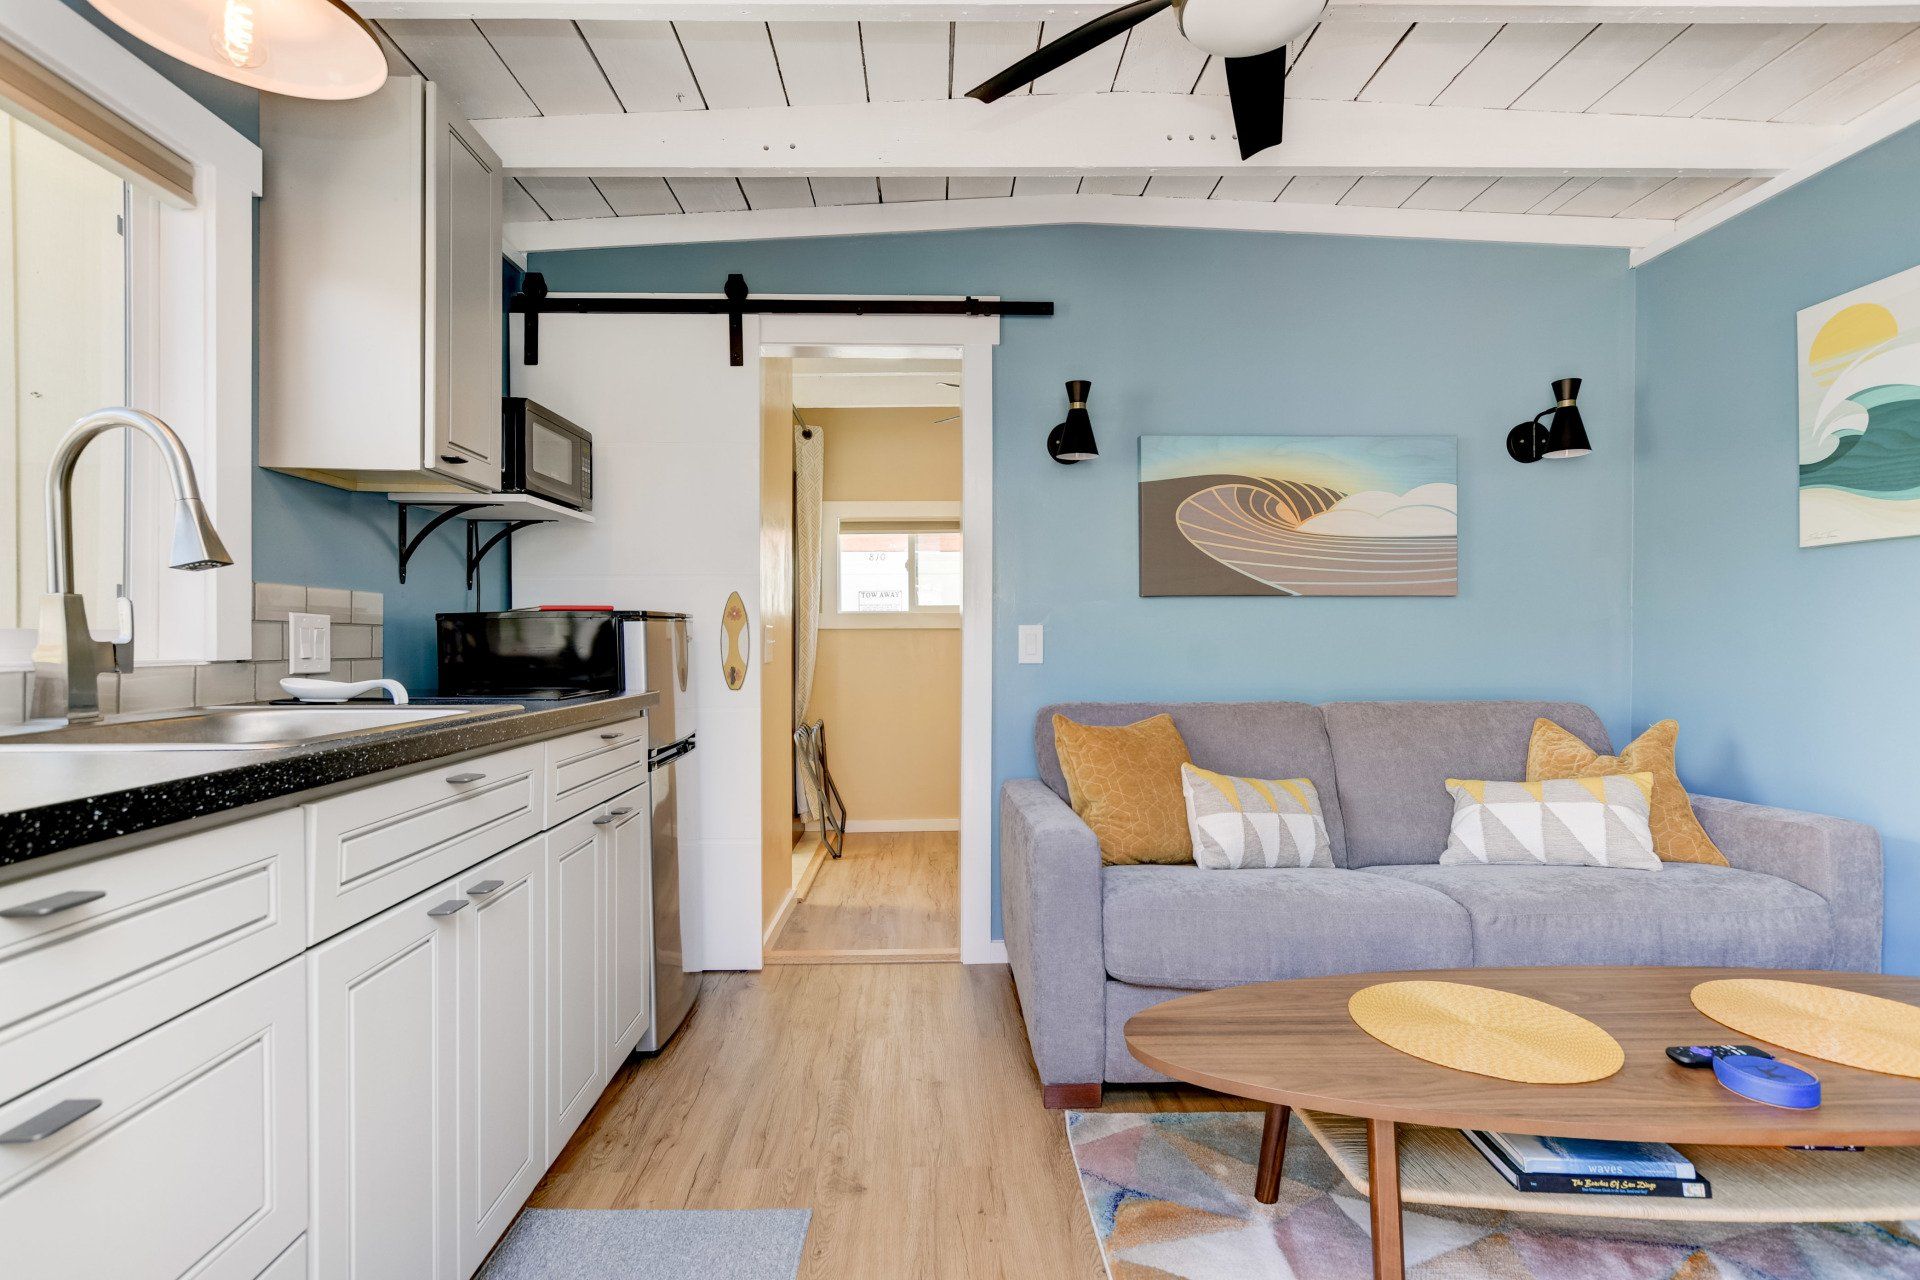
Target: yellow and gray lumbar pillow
point(1254, 822)
point(1571, 822)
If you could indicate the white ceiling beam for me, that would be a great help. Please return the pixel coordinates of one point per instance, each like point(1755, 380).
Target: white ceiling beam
point(1587, 11)
point(1111, 211)
point(1116, 134)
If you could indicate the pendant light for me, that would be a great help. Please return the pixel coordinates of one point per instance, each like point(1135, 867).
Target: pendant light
point(300, 48)
point(1072, 441)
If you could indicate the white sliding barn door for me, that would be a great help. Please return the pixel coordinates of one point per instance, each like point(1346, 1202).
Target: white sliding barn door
point(676, 504)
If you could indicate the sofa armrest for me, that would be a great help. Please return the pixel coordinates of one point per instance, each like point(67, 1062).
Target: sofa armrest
point(1834, 857)
point(1050, 907)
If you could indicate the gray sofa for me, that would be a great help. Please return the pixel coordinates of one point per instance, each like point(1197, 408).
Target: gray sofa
point(1091, 946)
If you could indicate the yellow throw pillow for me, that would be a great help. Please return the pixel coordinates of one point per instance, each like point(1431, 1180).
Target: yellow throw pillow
point(1124, 782)
point(1677, 834)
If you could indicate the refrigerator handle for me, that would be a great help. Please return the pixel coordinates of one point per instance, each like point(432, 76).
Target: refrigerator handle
point(680, 650)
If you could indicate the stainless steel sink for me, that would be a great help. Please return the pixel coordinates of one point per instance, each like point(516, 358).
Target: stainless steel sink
point(245, 728)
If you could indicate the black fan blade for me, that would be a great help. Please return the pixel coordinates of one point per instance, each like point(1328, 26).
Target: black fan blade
point(1257, 87)
point(1058, 53)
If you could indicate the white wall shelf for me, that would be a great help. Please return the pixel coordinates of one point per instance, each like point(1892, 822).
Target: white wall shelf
point(512, 511)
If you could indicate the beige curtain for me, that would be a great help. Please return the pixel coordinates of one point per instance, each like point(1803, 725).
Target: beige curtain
point(809, 461)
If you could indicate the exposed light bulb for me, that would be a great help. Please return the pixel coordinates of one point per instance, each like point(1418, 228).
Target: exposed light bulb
point(236, 39)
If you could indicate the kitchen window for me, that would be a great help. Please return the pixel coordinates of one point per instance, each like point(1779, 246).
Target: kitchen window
point(891, 565)
point(126, 278)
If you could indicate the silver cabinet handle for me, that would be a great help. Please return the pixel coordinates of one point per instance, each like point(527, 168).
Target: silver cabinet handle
point(603, 820)
point(48, 1122)
point(457, 778)
point(450, 906)
point(54, 905)
point(622, 811)
point(611, 737)
point(484, 888)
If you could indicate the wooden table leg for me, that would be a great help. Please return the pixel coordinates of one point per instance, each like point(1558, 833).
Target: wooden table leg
point(1383, 1181)
point(1273, 1154)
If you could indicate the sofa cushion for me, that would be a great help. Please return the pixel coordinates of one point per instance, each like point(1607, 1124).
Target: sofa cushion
point(1394, 758)
point(1689, 914)
point(1245, 739)
point(1195, 929)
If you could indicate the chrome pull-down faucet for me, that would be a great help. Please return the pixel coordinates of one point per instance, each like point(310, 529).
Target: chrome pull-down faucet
point(67, 660)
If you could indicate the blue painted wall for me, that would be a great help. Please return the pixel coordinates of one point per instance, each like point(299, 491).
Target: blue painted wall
point(1791, 670)
point(1212, 332)
point(309, 533)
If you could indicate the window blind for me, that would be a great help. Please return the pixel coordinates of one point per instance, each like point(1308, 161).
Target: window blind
point(899, 526)
point(42, 99)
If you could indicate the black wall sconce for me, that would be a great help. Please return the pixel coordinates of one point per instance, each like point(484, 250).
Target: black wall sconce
point(1563, 436)
point(1072, 441)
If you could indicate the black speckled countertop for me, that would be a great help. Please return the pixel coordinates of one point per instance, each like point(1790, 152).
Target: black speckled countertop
point(88, 803)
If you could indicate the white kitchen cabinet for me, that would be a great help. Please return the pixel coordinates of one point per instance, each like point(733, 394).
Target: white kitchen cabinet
point(94, 954)
point(593, 766)
point(371, 847)
point(384, 1045)
point(502, 1044)
point(380, 307)
point(627, 841)
point(182, 1152)
point(576, 965)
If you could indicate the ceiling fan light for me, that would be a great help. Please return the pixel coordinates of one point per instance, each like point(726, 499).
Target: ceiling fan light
point(1244, 28)
point(299, 48)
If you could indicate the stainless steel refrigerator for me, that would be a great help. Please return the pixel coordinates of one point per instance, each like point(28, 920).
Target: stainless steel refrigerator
point(655, 650)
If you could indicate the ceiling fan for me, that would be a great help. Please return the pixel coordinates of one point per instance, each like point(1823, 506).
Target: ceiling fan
point(1251, 35)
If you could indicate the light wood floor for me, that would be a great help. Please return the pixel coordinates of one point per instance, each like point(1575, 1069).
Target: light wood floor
point(897, 1102)
point(891, 891)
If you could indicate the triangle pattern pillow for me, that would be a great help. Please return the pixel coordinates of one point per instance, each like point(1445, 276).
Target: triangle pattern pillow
point(1677, 833)
point(1571, 822)
point(1254, 822)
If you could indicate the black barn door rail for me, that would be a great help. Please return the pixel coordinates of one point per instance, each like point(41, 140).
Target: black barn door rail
point(533, 301)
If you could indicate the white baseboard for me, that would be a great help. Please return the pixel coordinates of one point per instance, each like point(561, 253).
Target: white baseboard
point(897, 824)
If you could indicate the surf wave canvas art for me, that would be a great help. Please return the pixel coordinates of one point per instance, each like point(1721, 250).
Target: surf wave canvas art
point(1298, 516)
point(1860, 414)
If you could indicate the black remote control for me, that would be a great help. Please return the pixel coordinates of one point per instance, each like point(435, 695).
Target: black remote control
point(1702, 1055)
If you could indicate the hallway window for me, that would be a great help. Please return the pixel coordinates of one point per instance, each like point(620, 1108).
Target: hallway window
point(901, 567)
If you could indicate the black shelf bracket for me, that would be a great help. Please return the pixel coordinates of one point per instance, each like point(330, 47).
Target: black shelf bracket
point(736, 303)
point(410, 545)
point(477, 550)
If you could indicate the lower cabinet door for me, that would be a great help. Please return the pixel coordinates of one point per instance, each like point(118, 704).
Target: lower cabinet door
point(382, 998)
point(576, 1054)
point(503, 1044)
point(628, 844)
point(180, 1153)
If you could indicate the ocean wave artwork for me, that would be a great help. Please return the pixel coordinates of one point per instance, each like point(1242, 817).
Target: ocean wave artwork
point(1299, 516)
point(1860, 414)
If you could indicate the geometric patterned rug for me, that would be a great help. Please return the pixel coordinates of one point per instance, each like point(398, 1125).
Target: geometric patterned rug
point(1172, 1196)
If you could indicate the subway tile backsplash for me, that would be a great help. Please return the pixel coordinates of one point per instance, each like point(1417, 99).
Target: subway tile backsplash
point(358, 618)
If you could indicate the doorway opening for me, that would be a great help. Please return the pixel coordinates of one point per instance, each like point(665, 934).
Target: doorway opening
point(862, 467)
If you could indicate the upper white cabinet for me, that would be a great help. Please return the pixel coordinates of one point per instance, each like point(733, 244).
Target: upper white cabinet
point(380, 329)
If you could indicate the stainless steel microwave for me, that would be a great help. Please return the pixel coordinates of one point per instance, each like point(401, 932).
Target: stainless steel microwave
point(545, 455)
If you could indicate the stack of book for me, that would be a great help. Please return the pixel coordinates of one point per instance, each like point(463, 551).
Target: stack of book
point(1582, 1166)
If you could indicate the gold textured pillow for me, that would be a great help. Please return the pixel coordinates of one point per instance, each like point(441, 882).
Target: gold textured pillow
point(1677, 834)
point(1124, 782)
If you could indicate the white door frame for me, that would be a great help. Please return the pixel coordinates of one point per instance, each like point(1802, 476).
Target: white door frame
point(974, 337)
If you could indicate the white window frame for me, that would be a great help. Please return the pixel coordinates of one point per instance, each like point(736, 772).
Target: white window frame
point(915, 617)
point(192, 350)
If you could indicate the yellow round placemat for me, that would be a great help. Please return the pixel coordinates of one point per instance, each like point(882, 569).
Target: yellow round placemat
point(1488, 1032)
point(1847, 1027)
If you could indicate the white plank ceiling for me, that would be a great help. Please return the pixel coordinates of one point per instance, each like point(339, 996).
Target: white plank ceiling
point(1811, 75)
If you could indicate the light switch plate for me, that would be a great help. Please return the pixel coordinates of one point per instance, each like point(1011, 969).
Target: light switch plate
point(309, 644)
point(1033, 642)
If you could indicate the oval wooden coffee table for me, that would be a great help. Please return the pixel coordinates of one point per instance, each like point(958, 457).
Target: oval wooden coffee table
point(1292, 1045)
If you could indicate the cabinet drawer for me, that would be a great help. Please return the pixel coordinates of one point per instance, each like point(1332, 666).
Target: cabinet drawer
point(374, 847)
point(593, 765)
point(190, 1160)
point(148, 935)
